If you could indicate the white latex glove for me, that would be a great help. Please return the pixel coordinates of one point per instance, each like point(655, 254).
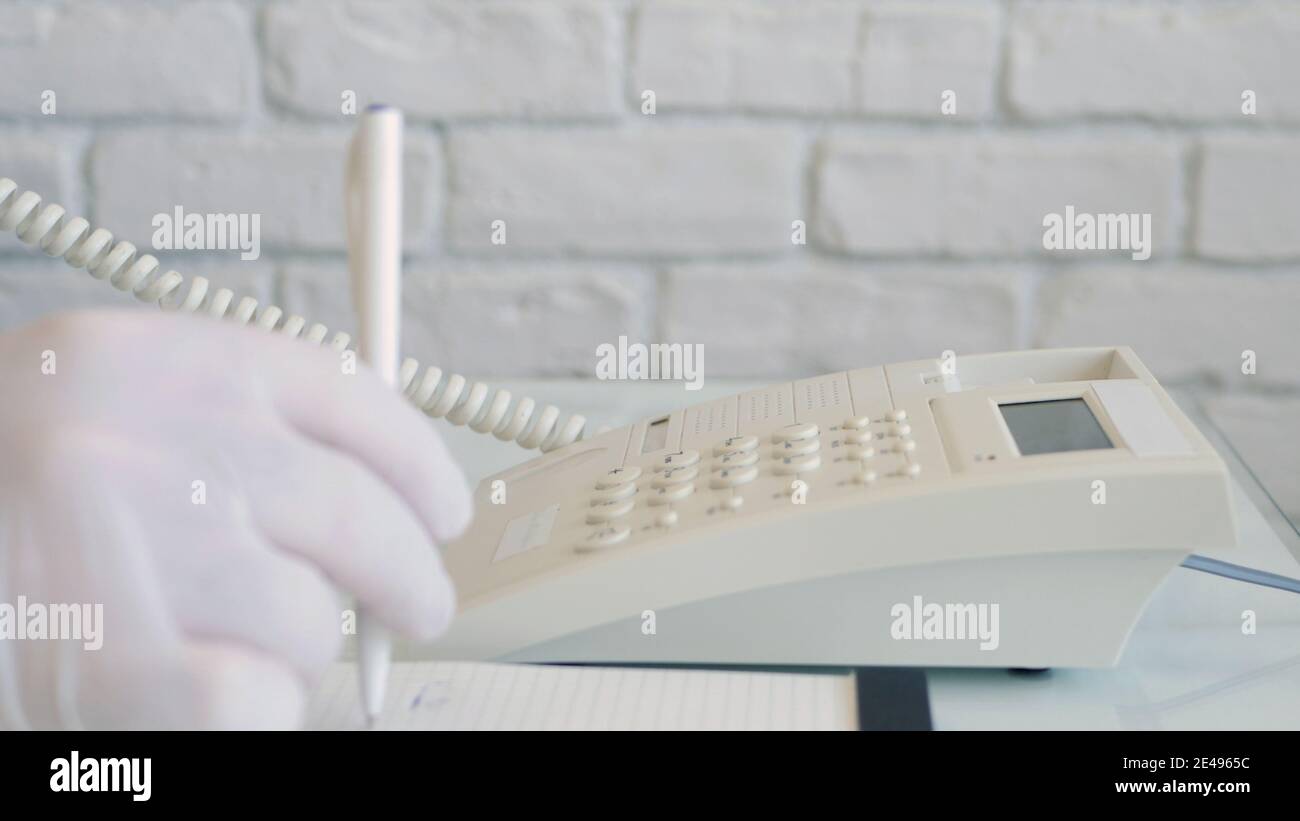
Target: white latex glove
point(218, 614)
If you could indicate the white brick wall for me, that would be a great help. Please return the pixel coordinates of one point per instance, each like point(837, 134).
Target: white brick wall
point(191, 60)
point(800, 319)
point(290, 175)
point(666, 192)
point(1246, 198)
point(1186, 323)
point(924, 229)
point(1159, 60)
point(460, 59)
point(826, 57)
point(984, 196)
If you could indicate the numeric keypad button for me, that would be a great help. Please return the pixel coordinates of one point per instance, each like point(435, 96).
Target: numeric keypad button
point(799, 430)
point(683, 458)
point(615, 493)
point(797, 447)
point(798, 464)
point(860, 452)
point(605, 537)
point(737, 459)
point(672, 476)
point(734, 443)
point(672, 493)
point(618, 476)
point(733, 477)
point(608, 511)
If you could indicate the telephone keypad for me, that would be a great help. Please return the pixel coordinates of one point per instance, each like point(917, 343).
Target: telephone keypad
point(870, 453)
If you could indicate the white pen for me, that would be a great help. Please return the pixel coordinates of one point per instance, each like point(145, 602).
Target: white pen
point(374, 216)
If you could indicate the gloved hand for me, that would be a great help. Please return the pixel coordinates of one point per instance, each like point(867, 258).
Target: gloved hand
point(214, 488)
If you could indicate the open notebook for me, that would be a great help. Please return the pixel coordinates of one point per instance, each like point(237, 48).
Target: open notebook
point(478, 696)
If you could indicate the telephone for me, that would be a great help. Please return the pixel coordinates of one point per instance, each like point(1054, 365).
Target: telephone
point(801, 523)
point(1012, 509)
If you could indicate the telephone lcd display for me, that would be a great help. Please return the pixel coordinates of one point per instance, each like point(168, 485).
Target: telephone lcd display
point(1054, 426)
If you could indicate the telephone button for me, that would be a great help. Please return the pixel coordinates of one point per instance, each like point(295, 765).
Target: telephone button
point(673, 476)
point(618, 476)
point(608, 511)
point(614, 494)
point(897, 415)
point(856, 423)
point(737, 459)
point(666, 519)
point(605, 537)
point(672, 493)
point(912, 471)
point(859, 437)
point(798, 447)
point(798, 464)
point(736, 443)
point(861, 452)
point(733, 477)
point(799, 430)
point(864, 477)
point(683, 458)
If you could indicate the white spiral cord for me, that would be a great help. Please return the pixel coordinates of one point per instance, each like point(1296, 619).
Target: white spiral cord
point(453, 398)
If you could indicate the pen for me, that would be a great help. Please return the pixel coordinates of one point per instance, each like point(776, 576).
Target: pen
point(374, 217)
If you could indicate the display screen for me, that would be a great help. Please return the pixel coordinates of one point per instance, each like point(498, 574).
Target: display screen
point(656, 436)
point(1054, 426)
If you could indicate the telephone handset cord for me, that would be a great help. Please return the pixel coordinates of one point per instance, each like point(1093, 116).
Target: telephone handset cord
point(447, 396)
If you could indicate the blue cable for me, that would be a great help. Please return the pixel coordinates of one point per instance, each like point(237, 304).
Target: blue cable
point(1242, 574)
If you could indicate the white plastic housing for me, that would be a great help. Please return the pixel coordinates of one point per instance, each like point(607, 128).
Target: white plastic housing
point(958, 517)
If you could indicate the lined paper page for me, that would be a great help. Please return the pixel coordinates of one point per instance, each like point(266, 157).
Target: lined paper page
point(477, 696)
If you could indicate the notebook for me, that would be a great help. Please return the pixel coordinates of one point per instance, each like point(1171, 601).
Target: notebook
point(482, 696)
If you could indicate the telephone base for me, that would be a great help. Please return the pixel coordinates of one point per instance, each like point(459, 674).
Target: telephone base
point(1054, 610)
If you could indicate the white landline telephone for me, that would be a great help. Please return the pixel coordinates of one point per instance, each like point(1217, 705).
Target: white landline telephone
point(785, 525)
